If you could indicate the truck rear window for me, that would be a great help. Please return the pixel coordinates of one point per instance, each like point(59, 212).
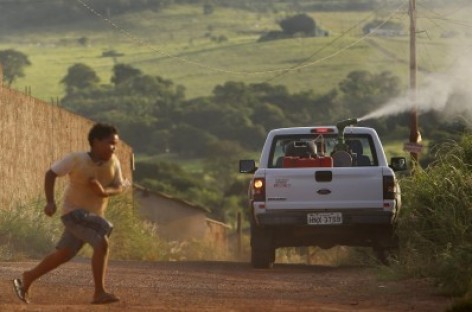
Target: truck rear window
point(290, 151)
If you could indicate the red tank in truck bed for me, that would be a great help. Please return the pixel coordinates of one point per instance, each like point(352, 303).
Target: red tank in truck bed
point(297, 162)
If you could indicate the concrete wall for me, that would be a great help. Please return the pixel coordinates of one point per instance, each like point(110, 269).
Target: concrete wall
point(179, 220)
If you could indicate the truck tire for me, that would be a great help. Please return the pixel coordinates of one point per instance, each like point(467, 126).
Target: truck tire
point(387, 242)
point(262, 258)
point(381, 254)
point(262, 248)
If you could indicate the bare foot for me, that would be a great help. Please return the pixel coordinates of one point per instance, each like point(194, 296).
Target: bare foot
point(105, 298)
point(26, 281)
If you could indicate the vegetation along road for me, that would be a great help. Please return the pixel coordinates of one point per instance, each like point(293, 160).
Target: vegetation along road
point(222, 286)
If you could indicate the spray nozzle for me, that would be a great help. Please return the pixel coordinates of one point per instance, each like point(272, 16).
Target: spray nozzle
point(345, 123)
point(341, 125)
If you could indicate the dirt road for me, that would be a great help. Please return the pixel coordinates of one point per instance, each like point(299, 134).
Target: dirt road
point(221, 286)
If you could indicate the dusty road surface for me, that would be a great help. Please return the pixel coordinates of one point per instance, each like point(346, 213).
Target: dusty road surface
point(220, 286)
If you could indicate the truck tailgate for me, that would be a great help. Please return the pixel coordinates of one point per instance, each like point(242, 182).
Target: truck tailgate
point(324, 188)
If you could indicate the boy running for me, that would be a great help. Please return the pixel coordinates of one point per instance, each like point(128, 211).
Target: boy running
point(93, 177)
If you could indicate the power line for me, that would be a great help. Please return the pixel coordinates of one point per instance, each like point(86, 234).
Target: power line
point(449, 13)
point(323, 48)
point(450, 21)
point(349, 45)
point(219, 69)
point(443, 17)
point(333, 41)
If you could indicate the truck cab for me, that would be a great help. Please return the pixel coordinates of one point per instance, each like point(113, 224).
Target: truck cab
point(316, 186)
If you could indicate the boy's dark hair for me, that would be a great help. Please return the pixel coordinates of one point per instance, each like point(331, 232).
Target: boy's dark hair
point(101, 131)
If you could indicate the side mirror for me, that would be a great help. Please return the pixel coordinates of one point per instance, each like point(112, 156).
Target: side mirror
point(247, 166)
point(398, 164)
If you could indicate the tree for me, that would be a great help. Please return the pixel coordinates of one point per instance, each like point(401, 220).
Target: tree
point(300, 23)
point(269, 116)
point(208, 8)
point(364, 91)
point(13, 63)
point(234, 93)
point(190, 141)
point(123, 72)
point(83, 41)
point(80, 77)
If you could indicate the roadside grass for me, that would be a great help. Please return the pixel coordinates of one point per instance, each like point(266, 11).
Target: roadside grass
point(435, 224)
point(27, 233)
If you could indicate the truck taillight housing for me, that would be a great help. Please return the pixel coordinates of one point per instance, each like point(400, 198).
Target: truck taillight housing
point(258, 189)
point(322, 130)
point(389, 188)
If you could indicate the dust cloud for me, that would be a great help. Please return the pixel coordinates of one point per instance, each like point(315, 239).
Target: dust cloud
point(449, 93)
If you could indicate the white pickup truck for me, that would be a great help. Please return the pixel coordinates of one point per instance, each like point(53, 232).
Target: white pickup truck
point(322, 186)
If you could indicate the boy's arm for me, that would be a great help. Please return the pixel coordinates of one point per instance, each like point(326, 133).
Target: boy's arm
point(114, 189)
point(49, 181)
point(117, 186)
point(105, 191)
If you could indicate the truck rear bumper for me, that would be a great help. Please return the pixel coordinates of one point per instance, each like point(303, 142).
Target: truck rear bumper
point(349, 217)
point(367, 228)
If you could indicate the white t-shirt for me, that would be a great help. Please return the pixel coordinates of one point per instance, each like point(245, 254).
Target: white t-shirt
point(81, 168)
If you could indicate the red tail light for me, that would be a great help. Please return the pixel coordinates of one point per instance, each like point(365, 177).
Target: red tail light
point(258, 189)
point(389, 188)
point(322, 130)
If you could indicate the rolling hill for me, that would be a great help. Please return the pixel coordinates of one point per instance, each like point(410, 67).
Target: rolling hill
point(200, 51)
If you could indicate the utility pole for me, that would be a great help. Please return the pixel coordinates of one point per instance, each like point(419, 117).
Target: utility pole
point(415, 137)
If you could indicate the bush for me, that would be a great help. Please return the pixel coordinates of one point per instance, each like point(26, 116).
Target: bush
point(208, 9)
point(112, 53)
point(435, 225)
point(273, 35)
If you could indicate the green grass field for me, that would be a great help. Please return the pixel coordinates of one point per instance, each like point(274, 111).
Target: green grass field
point(175, 44)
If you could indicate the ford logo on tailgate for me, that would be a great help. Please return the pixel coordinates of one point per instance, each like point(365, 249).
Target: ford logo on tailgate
point(324, 192)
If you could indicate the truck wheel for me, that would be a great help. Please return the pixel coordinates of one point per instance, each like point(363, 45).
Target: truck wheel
point(387, 241)
point(262, 258)
point(385, 253)
point(262, 248)
point(381, 254)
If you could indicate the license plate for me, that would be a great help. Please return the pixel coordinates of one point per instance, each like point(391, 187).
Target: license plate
point(323, 218)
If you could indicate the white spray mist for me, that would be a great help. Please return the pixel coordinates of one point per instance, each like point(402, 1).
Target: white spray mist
point(449, 93)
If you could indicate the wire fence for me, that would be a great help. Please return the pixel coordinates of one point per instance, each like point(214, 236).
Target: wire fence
point(33, 134)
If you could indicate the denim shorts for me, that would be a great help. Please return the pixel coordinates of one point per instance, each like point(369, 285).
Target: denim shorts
point(83, 227)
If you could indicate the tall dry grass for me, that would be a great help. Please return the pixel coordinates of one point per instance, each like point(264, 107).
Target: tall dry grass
point(435, 225)
point(27, 233)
